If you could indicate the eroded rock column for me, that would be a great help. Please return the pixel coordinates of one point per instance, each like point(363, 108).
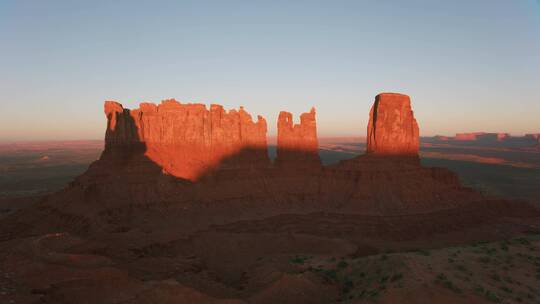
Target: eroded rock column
point(392, 128)
point(297, 144)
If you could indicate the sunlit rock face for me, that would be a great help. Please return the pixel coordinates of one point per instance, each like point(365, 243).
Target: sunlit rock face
point(297, 144)
point(186, 140)
point(392, 128)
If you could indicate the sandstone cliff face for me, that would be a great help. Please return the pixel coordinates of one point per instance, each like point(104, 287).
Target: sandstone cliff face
point(187, 140)
point(297, 144)
point(392, 128)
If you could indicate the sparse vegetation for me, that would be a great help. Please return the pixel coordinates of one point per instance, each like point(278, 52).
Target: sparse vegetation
point(446, 282)
point(423, 252)
point(497, 265)
point(299, 259)
point(342, 264)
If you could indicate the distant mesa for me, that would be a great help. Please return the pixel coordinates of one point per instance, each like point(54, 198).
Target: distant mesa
point(442, 138)
point(489, 139)
point(392, 128)
point(481, 136)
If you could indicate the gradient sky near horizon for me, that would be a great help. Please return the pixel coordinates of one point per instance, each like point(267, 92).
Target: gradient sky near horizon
point(468, 65)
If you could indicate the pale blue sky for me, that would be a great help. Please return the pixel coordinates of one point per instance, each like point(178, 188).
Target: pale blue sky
point(468, 65)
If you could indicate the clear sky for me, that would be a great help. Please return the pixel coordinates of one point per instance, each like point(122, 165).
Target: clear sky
point(468, 65)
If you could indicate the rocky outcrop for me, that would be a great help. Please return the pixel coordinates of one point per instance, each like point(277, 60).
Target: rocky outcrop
point(148, 219)
point(190, 142)
point(481, 136)
point(297, 143)
point(489, 140)
point(392, 128)
point(186, 140)
point(196, 166)
point(467, 136)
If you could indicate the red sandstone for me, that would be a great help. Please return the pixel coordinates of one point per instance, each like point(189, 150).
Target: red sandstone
point(187, 140)
point(392, 128)
point(297, 142)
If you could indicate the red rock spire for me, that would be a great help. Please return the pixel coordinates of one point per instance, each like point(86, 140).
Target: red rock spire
point(392, 128)
point(297, 142)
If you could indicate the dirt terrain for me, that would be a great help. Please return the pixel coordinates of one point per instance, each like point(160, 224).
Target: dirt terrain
point(276, 260)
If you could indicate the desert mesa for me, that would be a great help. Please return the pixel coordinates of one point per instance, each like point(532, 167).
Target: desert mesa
point(187, 140)
point(185, 205)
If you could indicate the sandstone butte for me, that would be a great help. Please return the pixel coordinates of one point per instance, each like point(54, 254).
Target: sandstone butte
point(125, 232)
point(392, 128)
point(189, 140)
point(184, 157)
point(188, 154)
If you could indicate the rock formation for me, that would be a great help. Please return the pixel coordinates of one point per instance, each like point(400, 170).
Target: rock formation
point(482, 136)
point(489, 139)
point(184, 206)
point(224, 157)
point(392, 128)
point(187, 140)
point(297, 143)
point(184, 157)
point(468, 136)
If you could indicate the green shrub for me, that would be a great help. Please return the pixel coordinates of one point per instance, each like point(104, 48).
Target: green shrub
point(492, 297)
